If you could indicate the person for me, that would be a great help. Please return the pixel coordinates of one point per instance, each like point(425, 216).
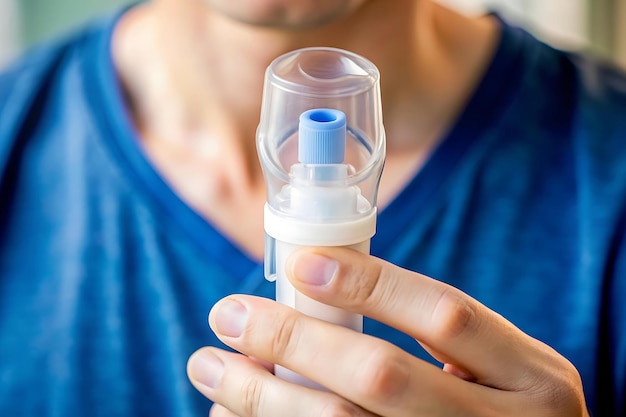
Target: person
point(132, 204)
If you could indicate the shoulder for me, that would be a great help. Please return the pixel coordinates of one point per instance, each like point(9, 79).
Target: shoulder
point(580, 98)
point(599, 116)
point(37, 67)
point(21, 82)
point(574, 80)
point(601, 99)
point(601, 81)
point(30, 85)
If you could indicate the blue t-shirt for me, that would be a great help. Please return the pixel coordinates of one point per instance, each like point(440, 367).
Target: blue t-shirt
point(106, 275)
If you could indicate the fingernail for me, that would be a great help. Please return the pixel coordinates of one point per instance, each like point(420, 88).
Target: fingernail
point(314, 269)
point(230, 318)
point(206, 368)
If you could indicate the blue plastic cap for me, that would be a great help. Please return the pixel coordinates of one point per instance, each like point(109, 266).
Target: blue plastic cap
point(322, 137)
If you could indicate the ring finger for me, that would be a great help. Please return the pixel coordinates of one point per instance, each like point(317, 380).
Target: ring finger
point(246, 388)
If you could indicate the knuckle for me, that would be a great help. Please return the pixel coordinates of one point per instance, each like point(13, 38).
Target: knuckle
point(453, 315)
point(285, 336)
point(561, 401)
point(251, 395)
point(384, 377)
point(562, 392)
point(370, 291)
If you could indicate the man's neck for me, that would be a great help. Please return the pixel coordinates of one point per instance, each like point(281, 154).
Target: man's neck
point(194, 79)
point(213, 66)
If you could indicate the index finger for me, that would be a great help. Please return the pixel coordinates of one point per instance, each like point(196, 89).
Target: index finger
point(433, 312)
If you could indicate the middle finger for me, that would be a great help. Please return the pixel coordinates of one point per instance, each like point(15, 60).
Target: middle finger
point(373, 373)
point(241, 387)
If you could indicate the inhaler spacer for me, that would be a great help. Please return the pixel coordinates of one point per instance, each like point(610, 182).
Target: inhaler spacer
point(321, 144)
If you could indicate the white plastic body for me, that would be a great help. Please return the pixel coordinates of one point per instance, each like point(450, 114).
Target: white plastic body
point(286, 294)
point(288, 234)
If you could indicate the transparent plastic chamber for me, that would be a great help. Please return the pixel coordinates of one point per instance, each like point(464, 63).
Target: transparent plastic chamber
point(321, 144)
point(321, 81)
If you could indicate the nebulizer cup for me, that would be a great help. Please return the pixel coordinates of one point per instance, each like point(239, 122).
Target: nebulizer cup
point(321, 144)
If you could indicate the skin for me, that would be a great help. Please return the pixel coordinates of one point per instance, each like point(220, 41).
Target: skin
point(195, 93)
point(492, 368)
point(193, 74)
point(285, 14)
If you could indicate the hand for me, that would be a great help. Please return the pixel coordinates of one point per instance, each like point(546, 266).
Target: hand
point(491, 367)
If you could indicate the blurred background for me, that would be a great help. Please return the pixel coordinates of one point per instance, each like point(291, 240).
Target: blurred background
point(595, 25)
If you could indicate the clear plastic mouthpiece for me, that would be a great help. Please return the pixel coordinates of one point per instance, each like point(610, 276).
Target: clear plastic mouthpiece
point(321, 125)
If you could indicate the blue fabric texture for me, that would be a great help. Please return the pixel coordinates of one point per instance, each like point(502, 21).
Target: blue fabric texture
point(106, 276)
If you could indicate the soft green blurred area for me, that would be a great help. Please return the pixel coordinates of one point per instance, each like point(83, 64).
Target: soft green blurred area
point(42, 19)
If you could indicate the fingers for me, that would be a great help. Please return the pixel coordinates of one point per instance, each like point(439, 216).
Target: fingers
point(516, 374)
point(241, 387)
point(451, 323)
point(367, 371)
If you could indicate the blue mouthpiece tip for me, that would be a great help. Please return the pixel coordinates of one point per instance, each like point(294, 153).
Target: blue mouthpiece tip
point(322, 137)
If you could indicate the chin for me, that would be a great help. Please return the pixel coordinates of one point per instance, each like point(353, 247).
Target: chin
point(286, 14)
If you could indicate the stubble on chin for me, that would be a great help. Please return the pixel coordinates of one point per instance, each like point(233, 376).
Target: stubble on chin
point(284, 14)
